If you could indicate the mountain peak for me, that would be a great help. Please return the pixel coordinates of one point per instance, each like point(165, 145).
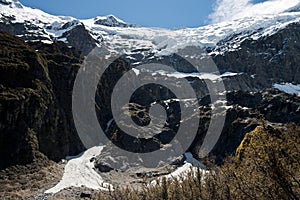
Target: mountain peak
point(110, 20)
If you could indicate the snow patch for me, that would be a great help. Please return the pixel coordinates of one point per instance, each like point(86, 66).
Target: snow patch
point(220, 104)
point(108, 125)
point(208, 76)
point(79, 171)
point(191, 165)
point(288, 88)
point(136, 71)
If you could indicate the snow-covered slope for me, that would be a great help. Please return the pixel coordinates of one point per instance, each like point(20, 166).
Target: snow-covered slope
point(115, 32)
point(288, 88)
point(36, 22)
point(46, 27)
point(79, 172)
point(111, 21)
point(207, 36)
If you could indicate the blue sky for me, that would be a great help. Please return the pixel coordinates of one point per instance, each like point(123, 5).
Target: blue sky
point(154, 13)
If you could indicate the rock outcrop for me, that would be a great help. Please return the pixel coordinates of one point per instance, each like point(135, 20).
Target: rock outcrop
point(34, 121)
point(269, 59)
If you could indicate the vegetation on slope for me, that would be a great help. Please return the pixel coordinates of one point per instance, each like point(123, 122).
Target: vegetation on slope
point(266, 166)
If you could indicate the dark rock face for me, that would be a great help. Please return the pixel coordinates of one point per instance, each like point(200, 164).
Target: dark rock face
point(261, 63)
point(25, 99)
point(102, 167)
point(27, 30)
point(244, 111)
point(63, 63)
point(32, 119)
point(271, 58)
point(280, 108)
point(4, 2)
point(248, 110)
point(16, 3)
point(79, 38)
point(85, 195)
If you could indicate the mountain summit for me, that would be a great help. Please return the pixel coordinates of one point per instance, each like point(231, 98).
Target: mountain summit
point(111, 21)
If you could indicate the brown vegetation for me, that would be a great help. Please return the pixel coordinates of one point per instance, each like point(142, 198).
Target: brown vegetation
point(266, 166)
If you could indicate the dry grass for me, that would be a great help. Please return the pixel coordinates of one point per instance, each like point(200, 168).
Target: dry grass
point(25, 182)
point(266, 167)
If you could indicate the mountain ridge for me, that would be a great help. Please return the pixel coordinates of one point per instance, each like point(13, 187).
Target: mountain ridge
point(50, 28)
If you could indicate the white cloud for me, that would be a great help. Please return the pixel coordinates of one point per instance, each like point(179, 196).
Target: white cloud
point(226, 10)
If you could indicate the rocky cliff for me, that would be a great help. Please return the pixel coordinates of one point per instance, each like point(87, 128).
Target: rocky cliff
point(268, 59)
point(35, 120)
point(37, 78)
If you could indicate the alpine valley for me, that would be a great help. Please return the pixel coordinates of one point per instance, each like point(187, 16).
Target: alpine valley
point(43, 157)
